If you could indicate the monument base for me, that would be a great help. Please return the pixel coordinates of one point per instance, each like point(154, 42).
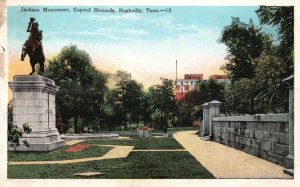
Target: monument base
point(39, 146)
point(39, 142)
point(34, 104)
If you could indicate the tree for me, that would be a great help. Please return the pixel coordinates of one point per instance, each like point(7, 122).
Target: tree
point(245, 42)
point(113, 110)
point(282, 18)
point(239, 97)
point(242, 97)
point(82, 86)
point(269, 73)
point(163, 104)
point(184, 114)
point(208, 90)
point(270, 70)
point(127, 98)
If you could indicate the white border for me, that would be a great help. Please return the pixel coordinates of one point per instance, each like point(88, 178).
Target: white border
point(131, 182)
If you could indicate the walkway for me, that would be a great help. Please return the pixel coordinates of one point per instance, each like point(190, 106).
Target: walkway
point(226, 162)
point(116, 152)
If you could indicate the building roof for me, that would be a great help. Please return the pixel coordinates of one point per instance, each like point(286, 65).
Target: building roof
point(216, 77)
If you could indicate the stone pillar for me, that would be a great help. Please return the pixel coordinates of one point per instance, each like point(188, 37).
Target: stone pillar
point(34, 103)
point(290, 157)
point(141, 134)
point(214, 110)
point(205, 121)
point(291, 123)
point(170, 134)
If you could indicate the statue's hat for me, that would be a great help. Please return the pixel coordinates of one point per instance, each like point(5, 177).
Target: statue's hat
point(32, 19)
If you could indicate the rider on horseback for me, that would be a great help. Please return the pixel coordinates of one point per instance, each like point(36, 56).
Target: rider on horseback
point(33, 47)
point(35, 38)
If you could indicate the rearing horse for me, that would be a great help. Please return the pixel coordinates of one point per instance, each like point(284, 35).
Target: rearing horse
point(33, 47)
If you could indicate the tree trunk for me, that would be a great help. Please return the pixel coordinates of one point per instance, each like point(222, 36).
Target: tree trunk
point(76, 124)
point(252, 106)
point(161, 123)
point(166, 121)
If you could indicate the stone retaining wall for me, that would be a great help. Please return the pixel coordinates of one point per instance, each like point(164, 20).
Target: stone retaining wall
point(264, 136)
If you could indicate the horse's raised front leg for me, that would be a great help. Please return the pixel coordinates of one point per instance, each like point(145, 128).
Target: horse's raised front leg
point(23, 54)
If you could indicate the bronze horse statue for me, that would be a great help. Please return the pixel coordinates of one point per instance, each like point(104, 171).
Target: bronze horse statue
point(33, 47)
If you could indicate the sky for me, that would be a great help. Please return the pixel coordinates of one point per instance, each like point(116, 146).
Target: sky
point(145, 44)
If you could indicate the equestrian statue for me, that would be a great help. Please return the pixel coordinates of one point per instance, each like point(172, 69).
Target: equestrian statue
point(33, 46)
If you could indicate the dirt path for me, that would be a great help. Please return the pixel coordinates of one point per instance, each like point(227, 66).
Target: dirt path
point(226, 162)
point(116, 152)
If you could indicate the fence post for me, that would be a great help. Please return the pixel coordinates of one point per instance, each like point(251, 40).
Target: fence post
point(214, 110)
point(205, 121)
point(290, 157)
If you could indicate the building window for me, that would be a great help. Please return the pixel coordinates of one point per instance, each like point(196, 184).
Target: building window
point(192, 82)
point(181, 88)
point(181, 83)
point(192, 88)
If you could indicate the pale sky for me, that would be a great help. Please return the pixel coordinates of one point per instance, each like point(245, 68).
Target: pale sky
point(146, 45)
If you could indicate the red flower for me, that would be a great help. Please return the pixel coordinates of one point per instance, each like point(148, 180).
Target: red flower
point(77, 148)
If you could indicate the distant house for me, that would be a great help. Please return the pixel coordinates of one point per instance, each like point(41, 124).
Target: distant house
point(189, 83)
point(220, 78)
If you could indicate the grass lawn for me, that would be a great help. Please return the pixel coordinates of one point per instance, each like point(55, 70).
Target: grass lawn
point(58, 154)
point(138, 165)
point(141, 143)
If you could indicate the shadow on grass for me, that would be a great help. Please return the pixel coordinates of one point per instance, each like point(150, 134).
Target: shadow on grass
point(138, 165)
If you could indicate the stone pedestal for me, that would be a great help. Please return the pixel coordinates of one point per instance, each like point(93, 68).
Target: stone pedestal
point(34, 103)
point(214, 110)
point(146, 134)
point(170, 134)
point(141, 134)
point(205, 121)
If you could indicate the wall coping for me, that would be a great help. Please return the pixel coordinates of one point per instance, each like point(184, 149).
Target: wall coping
point(256, 117)
point(32, 83)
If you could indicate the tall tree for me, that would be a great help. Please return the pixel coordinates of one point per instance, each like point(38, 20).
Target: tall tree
point(129, 98)
point(245, 42)
point(208, 90)
point(283, 18)
point(82, 87)
point(239, 97)
point(163, 104)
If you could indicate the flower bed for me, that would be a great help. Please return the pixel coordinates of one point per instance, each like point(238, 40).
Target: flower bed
point(144, 128)
point(77, 148)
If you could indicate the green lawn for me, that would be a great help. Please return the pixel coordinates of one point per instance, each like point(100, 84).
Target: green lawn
point(138, 165)
point(142, 143)
point(58, 154)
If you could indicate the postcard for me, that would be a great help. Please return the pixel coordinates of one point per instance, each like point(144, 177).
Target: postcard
point(139, 93)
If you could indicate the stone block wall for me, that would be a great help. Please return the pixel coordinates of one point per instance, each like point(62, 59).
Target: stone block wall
point(264, 136)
